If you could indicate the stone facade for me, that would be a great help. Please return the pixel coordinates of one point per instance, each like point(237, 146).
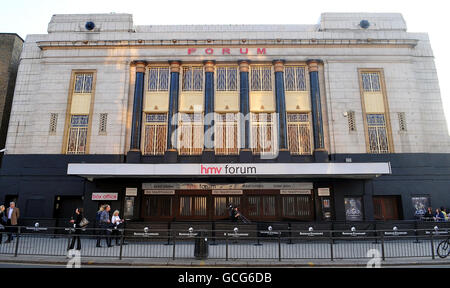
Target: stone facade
point(338, 40)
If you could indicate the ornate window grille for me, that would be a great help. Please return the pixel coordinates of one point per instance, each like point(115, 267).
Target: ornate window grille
point(155, 137)
point(226, 134)
point(294, 78)
point(78, 132)
point(263, 137)
point(83, 82)
point(378, 139)
point(299, 133)
point(158, 79)
point(191, 132)
point(192, 79)
point(371, 81)
point(402, 121)
point(103, 123)
point(261, 78)
point(227, 78)
point(53, 123)
point(351, 121)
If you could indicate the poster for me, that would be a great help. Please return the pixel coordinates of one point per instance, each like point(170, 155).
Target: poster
point(420, 205)
point(353, 209)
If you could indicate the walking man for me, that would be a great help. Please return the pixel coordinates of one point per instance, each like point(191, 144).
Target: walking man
point(105, 225)
point(13, 215)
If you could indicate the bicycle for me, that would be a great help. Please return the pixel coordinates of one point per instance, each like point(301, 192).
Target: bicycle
point(443, 249)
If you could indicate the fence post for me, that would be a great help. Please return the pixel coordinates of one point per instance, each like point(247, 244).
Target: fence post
point(279, 246)
point(432, 245)
point(173, 250)
point(121, 245)
point(331, 247)
point(226, 246)
point(382, 247)
point(17, 242)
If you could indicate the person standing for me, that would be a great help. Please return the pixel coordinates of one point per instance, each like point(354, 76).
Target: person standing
point(116, 221)
point(439, 216)
point(3, 221)
point(76, 224)
point(428, 216)
point(105, 225)
point(13, 215)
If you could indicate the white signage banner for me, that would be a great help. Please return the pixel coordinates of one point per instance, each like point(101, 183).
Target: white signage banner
point(295, 192)
point(233, 186)
point(99, 196)
point(159, 192)
point(131, 192)
point(323, 192)
point(227, 192)
point(229, 170)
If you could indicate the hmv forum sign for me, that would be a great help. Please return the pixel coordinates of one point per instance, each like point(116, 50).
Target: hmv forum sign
point(232, 169)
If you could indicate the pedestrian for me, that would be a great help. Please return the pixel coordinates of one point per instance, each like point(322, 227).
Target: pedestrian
point(3, 221)
point(232, 213)
point(97, 230)
point(428, 216)
point(13, 215)
point(76, 224)
point(444, 211)
point(439, 216)
point(105, 226)
point(116, 221)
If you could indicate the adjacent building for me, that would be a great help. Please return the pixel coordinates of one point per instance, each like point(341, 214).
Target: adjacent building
point(10, 50)
point(342, 120)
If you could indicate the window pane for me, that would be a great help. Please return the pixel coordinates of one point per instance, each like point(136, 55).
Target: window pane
point(200, 206)
point(253, 205)
point(289, 78)
point(198, 79)
point(269, 205)
point(220, 206)
point(221, 79)
point(185, 206)
point(187, 79)
point(232, 79)
point(163, 79)
point(153, 79)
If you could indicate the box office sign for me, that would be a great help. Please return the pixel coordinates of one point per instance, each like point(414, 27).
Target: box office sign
point(100, 196)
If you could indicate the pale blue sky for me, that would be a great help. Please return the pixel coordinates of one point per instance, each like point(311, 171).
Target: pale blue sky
point(31, 17)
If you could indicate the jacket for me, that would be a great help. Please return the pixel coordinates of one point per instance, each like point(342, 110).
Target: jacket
point(14, 216)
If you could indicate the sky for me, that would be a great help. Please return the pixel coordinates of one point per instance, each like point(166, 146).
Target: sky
point(32, 17)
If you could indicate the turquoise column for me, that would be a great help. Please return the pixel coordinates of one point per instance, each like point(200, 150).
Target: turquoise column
point(173, 104)
point(280, 104)
point(244, 103)
point(316, 106)
point(136, 122)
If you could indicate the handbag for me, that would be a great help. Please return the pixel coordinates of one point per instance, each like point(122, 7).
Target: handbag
point(84, 222)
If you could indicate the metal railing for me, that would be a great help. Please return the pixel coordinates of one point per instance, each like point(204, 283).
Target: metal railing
point(236, 244)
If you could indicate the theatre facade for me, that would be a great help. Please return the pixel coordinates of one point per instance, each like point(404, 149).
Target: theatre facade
point(337, 121)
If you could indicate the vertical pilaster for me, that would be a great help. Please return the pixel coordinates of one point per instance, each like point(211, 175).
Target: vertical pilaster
point(319, 146)
point(244, 104)
point(209, 104)
point(280, 104)
point(175, 67)
point(136, 124)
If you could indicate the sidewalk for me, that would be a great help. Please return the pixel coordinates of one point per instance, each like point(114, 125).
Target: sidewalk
point(145, 262)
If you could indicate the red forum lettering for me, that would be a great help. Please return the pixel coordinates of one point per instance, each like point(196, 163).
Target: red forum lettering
point(261, 51)
point(246, 51)
point(210, 170)
point(209, 51)
point(191, 50)
point(226, 51)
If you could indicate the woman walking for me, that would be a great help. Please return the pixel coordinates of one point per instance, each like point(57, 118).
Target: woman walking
point(76, 225)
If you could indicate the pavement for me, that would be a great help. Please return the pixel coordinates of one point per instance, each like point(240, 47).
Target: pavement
point(180, 263)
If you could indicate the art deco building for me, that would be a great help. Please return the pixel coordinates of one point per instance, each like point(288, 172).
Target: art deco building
point(342, 121)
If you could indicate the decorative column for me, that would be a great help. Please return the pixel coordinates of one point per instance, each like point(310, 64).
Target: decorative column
point(280, 104)
point(209, 105)
point(244, 105)
point(320, 154)
point(172, 124)
point(136, 124)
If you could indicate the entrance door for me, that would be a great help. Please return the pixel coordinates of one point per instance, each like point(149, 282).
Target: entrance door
point(65, 208)
point(386, 207)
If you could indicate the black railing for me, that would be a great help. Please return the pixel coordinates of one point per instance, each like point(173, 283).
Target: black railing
point(241, 242)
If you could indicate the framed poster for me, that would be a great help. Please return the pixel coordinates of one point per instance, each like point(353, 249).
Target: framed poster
point(353, 209)
point(420, 205)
